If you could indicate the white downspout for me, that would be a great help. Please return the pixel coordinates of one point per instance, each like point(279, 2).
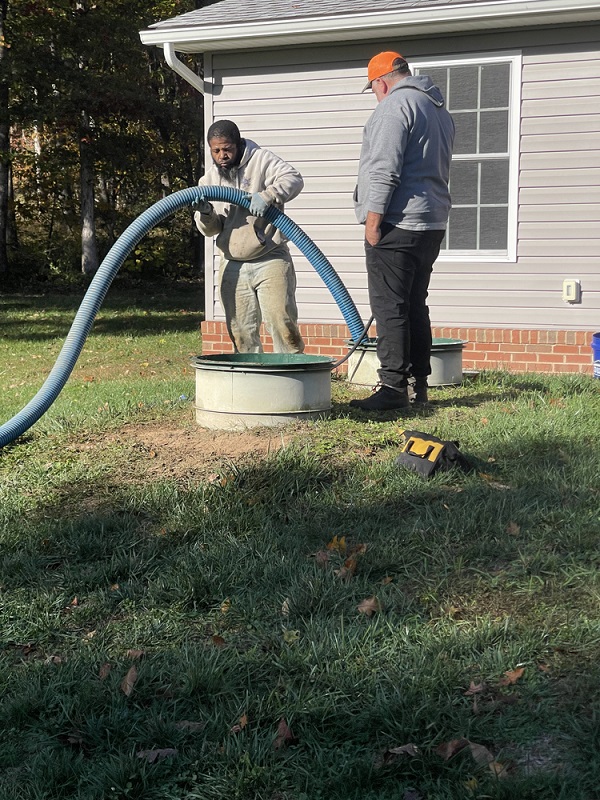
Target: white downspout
point(180, 68)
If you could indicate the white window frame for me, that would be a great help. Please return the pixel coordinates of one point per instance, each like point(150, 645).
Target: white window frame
point(515, 59)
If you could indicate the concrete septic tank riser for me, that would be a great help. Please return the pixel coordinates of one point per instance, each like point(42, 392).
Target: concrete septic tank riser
point(446, 363)
point(247, 390)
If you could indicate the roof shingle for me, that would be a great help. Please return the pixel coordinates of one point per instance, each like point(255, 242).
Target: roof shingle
point(223, 12)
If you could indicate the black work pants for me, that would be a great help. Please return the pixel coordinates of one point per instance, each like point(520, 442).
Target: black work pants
point(399, 269)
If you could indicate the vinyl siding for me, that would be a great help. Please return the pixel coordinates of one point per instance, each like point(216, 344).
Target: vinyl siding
point(306, 105)
point(559, 199)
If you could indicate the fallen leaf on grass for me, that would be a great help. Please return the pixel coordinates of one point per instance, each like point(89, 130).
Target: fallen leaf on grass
point(225, 606)
point(452, 611)
point(369, 606)
point(348, 569)
point(512, 676)
point(104, 671)
point(157, 755)
point(135, 653)
point(240, 725)
point(73, 604)
point(513, 529)
point(220, 480)
point(493, 483)
point(392, 754)
point(322, 558)
point(474, 688)
point(556, 401)
point(386, 580)
point(218, 641)
point(285, 737)
point(338, 545)
point(289, 637)
point(499, 770)
point(188, 725)
point(350, 565)
point(448, 749)
point(128, 681)
point(409, 749)
point(285, 607)
point(480, 754)
point(483, 758)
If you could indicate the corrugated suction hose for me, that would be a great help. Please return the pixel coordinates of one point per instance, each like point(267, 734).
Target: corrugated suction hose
point(98, 288)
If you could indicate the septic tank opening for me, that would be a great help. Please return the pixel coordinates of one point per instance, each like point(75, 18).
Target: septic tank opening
point(243, 390)
point(446, 362)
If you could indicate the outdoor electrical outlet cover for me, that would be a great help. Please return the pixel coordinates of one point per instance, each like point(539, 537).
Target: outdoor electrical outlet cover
point(571, 290)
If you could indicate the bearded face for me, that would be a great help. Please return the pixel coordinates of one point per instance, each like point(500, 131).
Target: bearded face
point(226, 154)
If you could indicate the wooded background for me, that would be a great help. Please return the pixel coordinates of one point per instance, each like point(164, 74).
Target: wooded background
point(94, 128)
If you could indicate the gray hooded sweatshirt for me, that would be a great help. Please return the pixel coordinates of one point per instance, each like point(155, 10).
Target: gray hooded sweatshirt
point(240, 236)
point(405, 158)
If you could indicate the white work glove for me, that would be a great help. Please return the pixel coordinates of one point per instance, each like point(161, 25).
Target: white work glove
point(202, 206)
point(258, 205)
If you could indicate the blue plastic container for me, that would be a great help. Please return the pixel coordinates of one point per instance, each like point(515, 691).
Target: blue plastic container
point(596, 354)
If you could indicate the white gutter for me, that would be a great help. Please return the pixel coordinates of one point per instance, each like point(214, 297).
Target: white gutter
point(410, 21)
point(180, 68)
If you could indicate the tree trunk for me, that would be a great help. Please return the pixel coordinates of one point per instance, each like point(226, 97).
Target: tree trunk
point(89, 245)
point(4, 144)
point(12, 236)
point(106, 196)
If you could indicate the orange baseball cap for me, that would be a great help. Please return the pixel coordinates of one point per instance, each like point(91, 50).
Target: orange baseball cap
point(381, 65)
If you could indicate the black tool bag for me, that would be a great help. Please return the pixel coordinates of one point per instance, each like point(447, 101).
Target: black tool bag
point(426, 454)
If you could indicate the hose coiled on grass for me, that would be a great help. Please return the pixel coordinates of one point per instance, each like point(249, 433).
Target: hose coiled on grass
point(109, 267)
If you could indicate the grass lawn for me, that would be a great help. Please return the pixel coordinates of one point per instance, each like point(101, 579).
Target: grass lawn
point(286, 615)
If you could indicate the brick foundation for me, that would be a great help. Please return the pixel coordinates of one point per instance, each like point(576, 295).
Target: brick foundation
point(486, 348)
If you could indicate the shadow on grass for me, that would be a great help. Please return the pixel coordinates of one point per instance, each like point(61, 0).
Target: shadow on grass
point(500, 387)
point(136, 313)
point(128, 324)
point(229, 591)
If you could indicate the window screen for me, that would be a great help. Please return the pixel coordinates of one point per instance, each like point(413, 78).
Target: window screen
point(478, 97)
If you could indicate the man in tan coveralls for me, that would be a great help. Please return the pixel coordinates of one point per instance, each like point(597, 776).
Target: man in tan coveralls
point(257, 280)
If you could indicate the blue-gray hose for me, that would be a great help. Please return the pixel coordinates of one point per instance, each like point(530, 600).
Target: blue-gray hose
point(98, 288)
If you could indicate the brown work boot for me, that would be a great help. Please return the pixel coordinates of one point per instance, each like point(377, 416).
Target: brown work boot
point(384, 398)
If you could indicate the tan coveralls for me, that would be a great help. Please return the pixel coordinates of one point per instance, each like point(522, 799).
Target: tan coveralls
point(257, 281)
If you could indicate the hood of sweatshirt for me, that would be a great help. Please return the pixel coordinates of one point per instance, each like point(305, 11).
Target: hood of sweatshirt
point(424, 84)
point(250, 148)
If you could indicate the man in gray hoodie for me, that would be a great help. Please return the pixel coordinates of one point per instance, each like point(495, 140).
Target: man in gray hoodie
point(257, 281)
point(403, 201)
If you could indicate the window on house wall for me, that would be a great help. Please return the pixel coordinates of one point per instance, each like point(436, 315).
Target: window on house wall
point(483, 100)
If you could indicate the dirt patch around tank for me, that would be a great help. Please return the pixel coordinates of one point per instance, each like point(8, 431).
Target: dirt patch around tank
point(178, 452)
